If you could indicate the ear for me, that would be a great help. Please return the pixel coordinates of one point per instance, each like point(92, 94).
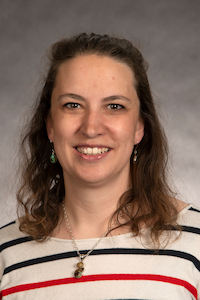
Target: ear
point(139, 133)
point(49, 127)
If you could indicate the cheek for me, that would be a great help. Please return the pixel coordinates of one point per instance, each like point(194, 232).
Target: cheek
point(65, 128)
point(61, 132)
point(124, 131)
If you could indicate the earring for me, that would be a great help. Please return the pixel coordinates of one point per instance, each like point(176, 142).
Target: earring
point(53, 158)
point(135, 154)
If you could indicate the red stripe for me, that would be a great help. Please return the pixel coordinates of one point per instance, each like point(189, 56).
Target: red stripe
point(102, 277)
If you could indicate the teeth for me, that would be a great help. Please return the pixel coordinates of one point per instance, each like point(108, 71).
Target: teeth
point(95, 151)
point(89, 151)
point(92, 151)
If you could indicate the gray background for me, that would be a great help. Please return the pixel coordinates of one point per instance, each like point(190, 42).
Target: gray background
point(169, 34)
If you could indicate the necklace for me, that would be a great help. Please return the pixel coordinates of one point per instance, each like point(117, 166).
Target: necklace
point(80, 265)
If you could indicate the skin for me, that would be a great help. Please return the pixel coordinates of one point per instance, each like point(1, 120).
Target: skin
point(90, 117)
point(94, 105)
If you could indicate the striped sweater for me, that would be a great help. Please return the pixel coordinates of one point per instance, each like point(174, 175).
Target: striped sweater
point(121, 267)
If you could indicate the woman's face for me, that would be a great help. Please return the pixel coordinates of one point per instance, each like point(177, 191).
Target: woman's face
point(94, 121)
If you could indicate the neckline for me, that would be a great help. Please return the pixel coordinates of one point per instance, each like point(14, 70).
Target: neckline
point(128, 234)
point(182, 211)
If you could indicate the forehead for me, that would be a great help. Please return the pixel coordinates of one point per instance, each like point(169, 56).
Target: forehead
point(95, 65)
point(95, 78)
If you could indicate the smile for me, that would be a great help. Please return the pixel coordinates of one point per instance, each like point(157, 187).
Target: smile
point(92, 151)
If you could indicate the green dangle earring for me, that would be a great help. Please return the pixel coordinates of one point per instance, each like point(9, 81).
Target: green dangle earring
point(53, 158)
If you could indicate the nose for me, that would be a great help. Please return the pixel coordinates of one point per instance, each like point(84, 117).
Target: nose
point(92, 124)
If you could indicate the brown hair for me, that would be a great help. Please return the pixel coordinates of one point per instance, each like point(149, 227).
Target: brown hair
point(42, 188)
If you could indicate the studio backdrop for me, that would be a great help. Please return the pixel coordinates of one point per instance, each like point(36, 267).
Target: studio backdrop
point(168, 35)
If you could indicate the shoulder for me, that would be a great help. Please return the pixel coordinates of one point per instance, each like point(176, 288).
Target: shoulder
point(189, 220)
point(11, 240)
point(7, 231)
point(190, 216)
point(10, 235)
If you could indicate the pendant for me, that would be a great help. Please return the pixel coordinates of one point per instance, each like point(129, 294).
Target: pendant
point(79, 272)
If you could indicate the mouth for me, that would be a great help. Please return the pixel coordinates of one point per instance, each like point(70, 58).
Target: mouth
point(92, 151)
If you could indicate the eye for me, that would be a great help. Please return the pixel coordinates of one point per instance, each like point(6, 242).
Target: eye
point(72, 105)
point(115, 106)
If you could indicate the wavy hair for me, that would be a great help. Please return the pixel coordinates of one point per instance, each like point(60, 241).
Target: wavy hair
point(42, 186)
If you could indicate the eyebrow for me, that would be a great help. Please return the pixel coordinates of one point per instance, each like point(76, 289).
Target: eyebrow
point(70, 95)
point(116, 97)
point(107, 99)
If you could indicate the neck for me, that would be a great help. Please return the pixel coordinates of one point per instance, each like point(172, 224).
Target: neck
point(89, 209)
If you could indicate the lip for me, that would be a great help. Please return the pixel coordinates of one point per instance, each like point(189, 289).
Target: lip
point(91, 146)
point(91, 158)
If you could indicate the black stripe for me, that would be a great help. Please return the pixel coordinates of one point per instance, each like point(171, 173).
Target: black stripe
point(191, 229)
point(40, 260)
point(194, 209)
point(188, 229)
point(28, 238)
point(110, 251)
point(11, 223)
point(15, 242)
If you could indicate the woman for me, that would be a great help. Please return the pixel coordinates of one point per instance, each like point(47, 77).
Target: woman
point(97, 217)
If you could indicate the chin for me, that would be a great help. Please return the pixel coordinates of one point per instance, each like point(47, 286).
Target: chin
point(94, 179)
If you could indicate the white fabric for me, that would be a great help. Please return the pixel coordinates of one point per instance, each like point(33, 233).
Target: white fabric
point(122, 267)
